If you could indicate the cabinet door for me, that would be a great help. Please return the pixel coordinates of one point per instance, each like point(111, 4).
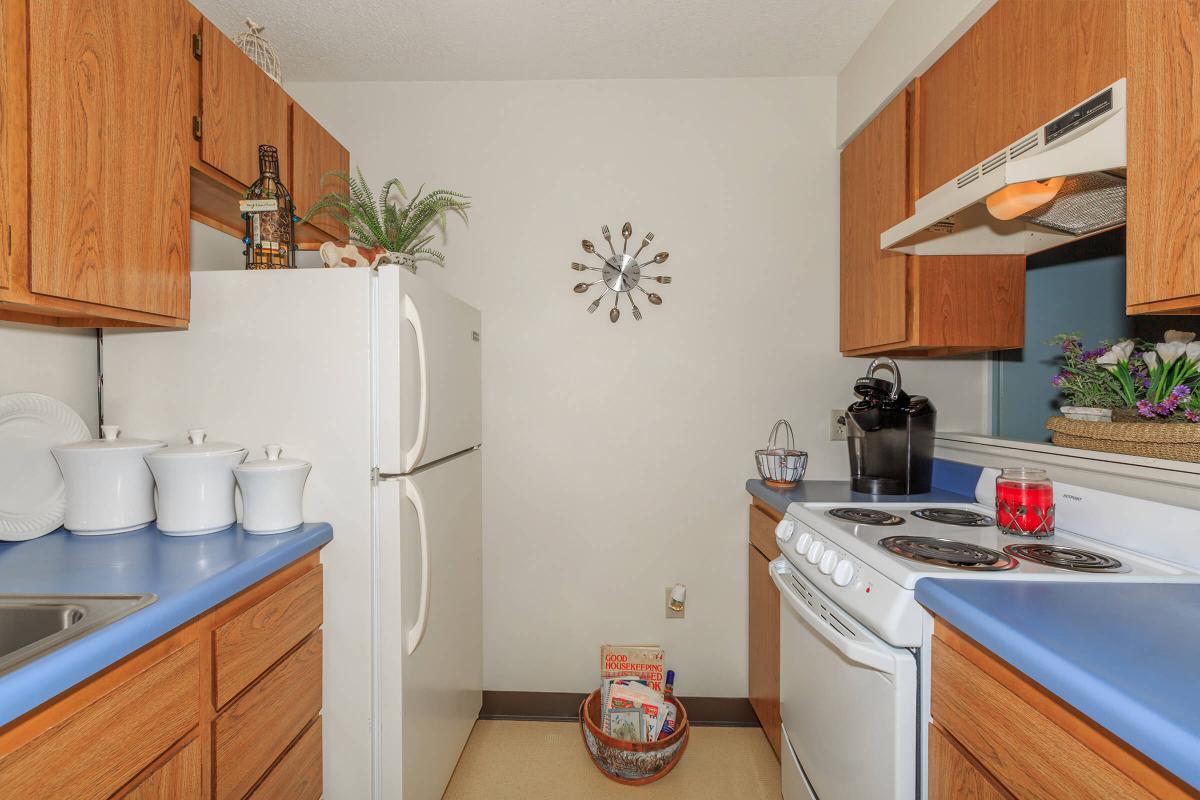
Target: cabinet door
point(764, 646)
point(1163, 242)
point(1022, 64)
point(874, 197)
point(14, 121)
point(314, 154)
point(953, 775)
point(108, 152)
point(178, 778)
point(241, 108)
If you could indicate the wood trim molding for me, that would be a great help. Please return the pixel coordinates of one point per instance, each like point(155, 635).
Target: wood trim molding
point(711, 712)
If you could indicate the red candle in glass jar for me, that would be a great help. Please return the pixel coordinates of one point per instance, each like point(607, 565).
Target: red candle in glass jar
point(1025, 501)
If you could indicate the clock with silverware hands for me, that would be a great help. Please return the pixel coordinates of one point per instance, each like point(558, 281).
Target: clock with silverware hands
point(621, 275)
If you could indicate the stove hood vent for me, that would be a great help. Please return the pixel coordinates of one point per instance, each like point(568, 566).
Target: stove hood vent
point(1059, 183)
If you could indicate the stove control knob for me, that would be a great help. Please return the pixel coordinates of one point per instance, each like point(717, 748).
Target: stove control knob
point(843, 573)
point(803, 543)
point(815, 552)
point(784, 530)
point(828, 562)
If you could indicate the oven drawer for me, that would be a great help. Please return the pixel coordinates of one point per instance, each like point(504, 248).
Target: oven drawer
point(844, 693)
point(795, 785)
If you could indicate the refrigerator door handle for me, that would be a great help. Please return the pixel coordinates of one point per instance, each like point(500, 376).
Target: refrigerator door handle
point(416, 633)
point(413, 317)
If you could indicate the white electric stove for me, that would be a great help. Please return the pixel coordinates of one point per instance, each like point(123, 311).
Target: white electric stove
point(854, 641)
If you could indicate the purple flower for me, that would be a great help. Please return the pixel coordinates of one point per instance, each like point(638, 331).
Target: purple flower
point(1092, 355)
point(1181, 391)
point(1192, 416)
point(1059, 379)
point(1146, 409)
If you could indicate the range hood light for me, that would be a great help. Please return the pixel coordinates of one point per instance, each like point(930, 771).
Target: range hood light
point(1020, 198)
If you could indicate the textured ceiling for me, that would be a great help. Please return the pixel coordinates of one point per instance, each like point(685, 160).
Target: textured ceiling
point(344, 40)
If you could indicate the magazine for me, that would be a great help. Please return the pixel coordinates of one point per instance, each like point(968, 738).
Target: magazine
point(627, 724)
point(644, 661)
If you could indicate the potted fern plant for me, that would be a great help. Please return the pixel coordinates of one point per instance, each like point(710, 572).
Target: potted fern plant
point(398, 228)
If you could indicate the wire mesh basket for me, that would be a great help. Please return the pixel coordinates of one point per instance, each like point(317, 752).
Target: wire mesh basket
point(261, 51)
point(780, 464)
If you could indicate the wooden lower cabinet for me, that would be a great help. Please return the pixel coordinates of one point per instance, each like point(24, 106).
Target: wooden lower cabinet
point(997, 734)
point(763, 627)
point(151, 726)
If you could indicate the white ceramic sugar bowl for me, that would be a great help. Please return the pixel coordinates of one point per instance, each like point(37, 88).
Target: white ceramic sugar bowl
point(272, 492)
point(109, 487)
point(195, 485)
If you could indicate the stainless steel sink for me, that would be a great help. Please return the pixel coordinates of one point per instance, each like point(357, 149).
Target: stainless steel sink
point(33, 625)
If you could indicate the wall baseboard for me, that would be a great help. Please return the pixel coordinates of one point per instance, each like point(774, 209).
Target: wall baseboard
point(726, 712)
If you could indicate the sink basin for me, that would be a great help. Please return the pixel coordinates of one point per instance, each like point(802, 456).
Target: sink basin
point(33, 625)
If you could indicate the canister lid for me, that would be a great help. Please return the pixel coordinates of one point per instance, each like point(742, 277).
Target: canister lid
point(197, 445)
point(109, 440)
point(272, 463)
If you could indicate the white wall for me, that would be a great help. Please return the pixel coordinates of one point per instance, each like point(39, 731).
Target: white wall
point(54, 361)
point(911, 36)
point(615, 455)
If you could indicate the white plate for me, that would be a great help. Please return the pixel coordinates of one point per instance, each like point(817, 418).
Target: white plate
point(33, 498)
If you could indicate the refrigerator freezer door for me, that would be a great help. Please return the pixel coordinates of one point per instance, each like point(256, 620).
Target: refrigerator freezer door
point(431, 603)
point(429, 373)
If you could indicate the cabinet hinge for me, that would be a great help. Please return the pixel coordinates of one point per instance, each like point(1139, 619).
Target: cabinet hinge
point(197, 45)
point(197, 128)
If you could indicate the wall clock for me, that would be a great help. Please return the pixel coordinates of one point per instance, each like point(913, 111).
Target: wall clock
point(620, 273)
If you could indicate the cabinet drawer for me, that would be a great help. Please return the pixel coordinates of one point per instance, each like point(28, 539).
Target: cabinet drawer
point(1012, 739)
point(762, 532)
point(297, 776)
point(260, 724)
point(247, 645)
point(98, 749)
point(177, 779)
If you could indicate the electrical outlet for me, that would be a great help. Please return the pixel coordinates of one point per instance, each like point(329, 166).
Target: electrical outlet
point(837, 425)
point(670, 613)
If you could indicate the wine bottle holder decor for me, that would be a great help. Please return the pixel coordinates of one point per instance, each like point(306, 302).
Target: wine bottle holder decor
point(267, 207)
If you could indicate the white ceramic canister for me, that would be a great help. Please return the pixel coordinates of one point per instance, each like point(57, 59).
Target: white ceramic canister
point(109, 487)
point(195, 484)
point(272, 492)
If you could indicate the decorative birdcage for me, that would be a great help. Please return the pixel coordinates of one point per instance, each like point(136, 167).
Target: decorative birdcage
point(261, 52)
point(270, 217)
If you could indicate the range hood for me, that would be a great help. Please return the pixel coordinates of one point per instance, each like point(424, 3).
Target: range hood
point(1061, 182)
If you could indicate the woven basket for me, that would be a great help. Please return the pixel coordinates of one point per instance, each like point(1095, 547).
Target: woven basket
point(631, 763)
point(1178, 441)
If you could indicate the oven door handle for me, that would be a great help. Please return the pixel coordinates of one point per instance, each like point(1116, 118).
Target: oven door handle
point(862, 654)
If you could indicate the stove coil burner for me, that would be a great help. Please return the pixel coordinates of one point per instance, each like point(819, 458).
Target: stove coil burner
point(955, 516)
point(866, 516)
point(1065, 557)
point(948, 553)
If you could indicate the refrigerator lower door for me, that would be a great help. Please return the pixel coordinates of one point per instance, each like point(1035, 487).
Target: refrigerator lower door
point(429, 372)
point(431, 624)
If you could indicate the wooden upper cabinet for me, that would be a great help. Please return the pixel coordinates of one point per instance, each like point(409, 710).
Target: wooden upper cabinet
point(14, 133)
point(314, 154)
point(874, 197)
point(1163, 238)
point(108, 153)
point(1022, 64)
point(241, 108)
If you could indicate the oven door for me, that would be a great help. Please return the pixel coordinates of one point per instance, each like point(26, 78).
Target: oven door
point(847, 698)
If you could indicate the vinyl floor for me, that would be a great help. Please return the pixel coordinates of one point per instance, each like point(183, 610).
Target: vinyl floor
point(536, 760)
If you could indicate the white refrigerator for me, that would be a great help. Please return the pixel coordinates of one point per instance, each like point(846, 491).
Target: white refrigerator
point(374, 377)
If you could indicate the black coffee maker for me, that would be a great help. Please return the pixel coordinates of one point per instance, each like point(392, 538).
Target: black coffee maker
point(890, 436)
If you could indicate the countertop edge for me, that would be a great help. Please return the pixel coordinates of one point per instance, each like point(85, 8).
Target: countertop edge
point(1160, 740)
point(43, 679)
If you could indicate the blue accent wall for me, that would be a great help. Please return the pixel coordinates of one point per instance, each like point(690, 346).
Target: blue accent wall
point(955, 476)
point(1076, 287)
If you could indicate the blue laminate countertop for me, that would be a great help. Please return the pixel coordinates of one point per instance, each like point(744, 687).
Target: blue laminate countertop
point(840, 492)
point(1124, 654)
point(190, 574)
